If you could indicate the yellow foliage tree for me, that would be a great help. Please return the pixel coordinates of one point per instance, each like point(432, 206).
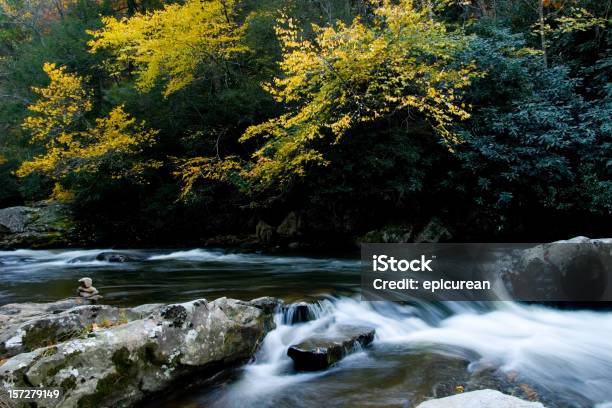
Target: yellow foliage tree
point(348, 75)
point(71, 144)
point(178, 44)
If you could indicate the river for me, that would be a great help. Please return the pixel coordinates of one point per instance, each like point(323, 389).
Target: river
point(420, 350)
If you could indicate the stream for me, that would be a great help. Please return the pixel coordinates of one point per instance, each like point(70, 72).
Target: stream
point(421, 349)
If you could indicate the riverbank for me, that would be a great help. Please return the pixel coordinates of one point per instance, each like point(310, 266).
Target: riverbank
point(101, 356)
point(420, 350)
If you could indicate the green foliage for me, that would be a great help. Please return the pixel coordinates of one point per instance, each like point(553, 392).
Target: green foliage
point(178, 44)
point(541, 144)
point(360, 113)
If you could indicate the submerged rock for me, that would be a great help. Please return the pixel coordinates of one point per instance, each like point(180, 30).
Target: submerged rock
point(320, 352)
point(480, 399)
point(297, 313)
point(117, 257)
point(122, 364)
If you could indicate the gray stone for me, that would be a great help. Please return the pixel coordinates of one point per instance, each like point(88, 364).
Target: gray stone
point(26, 327)
point(480, 399)
point(86, 289)
point(576, 270)
point(43, 225)
point(120, 365)
point(264, 232)
point(291, 226)
point(320, 352)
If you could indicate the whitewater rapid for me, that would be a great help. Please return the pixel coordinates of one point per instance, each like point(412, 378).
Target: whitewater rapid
point(567, 353)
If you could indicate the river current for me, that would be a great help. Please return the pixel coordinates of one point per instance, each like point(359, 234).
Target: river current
point(421, 349)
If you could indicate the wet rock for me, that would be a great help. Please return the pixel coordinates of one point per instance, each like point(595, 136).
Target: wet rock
point(320, 352)
point(120, 365)
point(117, 257)
point(297, 313)
point(480, 399)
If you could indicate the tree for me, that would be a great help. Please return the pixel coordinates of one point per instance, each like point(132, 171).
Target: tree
point(348, 75)
point(177, 45)
point(73, 145)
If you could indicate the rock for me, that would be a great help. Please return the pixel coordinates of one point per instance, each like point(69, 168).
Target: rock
point(572, 270)
point(120, 365)
point(264, 232)
point(434, 232)
point(27, 327)
point(266, 303)
point(44, 225)
point(297, 313)
point(389, 234)
point(86, 289)
point(320, 352)
point(291, 226)
point(480, 399)
point(117, 257)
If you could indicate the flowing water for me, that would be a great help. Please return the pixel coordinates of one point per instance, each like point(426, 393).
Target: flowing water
point(421, 350)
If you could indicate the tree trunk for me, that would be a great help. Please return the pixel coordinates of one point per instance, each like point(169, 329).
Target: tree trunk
point(542, 32)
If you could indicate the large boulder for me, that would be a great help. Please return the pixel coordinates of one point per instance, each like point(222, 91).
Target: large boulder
point(44, 225)
point(577, 269)
point(480, 399)
point(264, 232)
point(122, 364)
point(291, 226)
point(320, 352)
point(26, 327)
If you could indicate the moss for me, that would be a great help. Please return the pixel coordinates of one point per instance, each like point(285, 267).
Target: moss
point(106, 386)
point(65, 363)
point(68, 384)
point(112, 384)
point(40, 336)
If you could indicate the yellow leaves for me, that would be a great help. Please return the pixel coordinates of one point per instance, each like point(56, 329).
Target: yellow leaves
point(358, 73)
point(71, 144)
point(205, 168)
point(177, 44)
point(62, 103)
point(61, 194)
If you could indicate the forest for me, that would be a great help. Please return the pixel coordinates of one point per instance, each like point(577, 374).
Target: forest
point(173, 122)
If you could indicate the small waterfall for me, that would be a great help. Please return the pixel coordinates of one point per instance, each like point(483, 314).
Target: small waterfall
point(302, 312)
point(564, 351)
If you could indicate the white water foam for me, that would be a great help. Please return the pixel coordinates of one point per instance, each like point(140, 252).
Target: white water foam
point(561, 350)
